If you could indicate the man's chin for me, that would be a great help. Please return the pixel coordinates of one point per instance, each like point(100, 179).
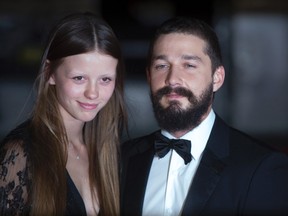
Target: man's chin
point(178, 105)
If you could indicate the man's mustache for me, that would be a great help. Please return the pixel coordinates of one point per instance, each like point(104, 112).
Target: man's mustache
point(178, 90)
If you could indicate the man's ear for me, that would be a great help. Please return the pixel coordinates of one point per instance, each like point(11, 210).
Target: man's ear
point(148, 75)
point(47, 71)
point(218, 78)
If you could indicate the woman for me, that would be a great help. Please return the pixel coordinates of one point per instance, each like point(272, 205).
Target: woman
point(64, 159)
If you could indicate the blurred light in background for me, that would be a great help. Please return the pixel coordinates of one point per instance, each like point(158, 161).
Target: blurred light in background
point(253, 36)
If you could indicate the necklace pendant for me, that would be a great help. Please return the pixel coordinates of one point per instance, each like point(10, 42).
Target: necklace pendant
point(78, 157)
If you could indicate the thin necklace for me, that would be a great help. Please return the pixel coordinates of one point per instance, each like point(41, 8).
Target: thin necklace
point(74, 152)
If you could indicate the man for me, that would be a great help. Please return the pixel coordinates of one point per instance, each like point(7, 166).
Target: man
point(227, 172)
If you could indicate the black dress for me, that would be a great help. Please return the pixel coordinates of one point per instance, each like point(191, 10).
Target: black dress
point(15, 178)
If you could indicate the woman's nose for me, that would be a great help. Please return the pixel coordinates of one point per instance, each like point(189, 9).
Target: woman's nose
point(91, 91)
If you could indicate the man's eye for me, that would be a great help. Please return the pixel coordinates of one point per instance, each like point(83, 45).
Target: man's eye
point(159, 67)
point(190, 66)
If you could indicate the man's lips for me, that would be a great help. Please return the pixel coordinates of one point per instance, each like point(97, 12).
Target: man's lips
point(174, 96)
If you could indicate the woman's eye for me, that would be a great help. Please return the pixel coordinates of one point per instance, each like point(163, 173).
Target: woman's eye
point(106, 79)
point(78, 78)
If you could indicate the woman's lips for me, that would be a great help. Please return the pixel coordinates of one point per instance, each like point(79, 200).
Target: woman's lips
point(88, 106)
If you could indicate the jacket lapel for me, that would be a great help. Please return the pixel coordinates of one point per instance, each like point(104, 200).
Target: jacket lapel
point(137, 175)
point(209, 171)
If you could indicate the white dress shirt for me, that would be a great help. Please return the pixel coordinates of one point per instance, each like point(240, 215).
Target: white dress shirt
point(169, 179)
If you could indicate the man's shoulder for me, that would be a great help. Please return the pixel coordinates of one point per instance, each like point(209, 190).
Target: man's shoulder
point(243, 145)
point(138, 143)
point(140, 138)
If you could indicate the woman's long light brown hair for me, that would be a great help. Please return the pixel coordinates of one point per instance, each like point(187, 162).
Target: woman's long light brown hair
point(76, 34)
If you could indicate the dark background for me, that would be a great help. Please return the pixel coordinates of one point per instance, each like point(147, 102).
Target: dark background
point(253, 35)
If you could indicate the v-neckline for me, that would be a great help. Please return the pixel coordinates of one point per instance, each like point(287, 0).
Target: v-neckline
point(75, 203)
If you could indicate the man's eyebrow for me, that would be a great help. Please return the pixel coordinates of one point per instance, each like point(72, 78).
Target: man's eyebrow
point(159, 57)
point(184, 57)
point(191, 57)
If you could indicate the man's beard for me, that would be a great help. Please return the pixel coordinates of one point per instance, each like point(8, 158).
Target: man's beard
point(174, 118)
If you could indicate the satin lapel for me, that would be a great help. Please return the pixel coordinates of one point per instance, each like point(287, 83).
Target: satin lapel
point(137, 175)
point(205, 180)
point(209, 171)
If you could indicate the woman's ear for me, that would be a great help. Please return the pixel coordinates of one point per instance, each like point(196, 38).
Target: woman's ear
point(218, 78)
point(47, 71)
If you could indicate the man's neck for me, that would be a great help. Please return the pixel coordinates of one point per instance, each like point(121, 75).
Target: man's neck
point(180, 133)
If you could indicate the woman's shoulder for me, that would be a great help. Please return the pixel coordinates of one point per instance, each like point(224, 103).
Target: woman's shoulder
point(15, 143)
point(14, 171)
point(18, 135)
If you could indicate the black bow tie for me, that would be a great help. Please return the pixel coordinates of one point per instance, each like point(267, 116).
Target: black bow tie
point(181, 146)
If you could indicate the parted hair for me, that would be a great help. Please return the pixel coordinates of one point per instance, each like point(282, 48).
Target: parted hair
point(76, 33)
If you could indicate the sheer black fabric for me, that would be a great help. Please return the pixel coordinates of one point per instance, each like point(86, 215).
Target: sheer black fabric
point(16, 179)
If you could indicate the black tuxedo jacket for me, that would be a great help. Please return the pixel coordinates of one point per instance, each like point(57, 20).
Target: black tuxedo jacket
point(237, 176)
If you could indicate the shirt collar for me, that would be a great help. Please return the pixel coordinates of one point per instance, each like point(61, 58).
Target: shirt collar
point(198, 136)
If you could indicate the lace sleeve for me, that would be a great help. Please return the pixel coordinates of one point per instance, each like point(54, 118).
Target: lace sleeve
point(14, 179)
